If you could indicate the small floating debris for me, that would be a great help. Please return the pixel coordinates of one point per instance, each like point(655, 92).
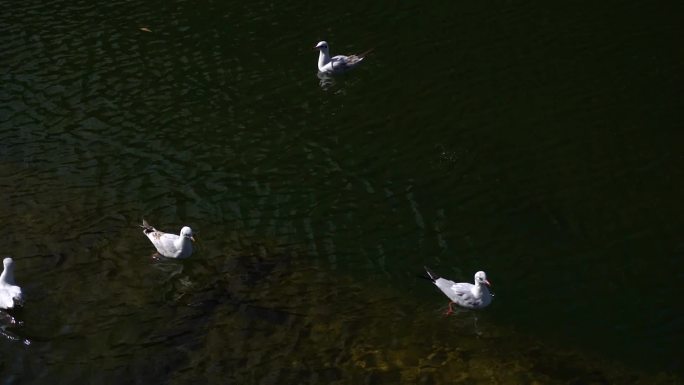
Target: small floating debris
point(145, 29)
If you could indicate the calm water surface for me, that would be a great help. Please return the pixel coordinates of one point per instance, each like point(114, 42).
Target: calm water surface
point(541, 143)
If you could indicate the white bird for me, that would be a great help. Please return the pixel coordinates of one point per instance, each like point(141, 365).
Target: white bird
point(10, 294)
point(464, 294)
point(336, 64)
point(170, 245)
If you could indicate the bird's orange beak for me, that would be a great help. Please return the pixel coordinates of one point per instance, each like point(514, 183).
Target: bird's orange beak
point(192, 239)
point(487, 283)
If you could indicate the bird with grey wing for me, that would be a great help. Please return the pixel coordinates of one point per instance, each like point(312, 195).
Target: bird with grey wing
point(170, 245)
point(339, 63)
point(464, 294)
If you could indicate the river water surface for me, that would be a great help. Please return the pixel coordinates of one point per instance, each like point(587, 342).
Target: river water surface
point(540, 143)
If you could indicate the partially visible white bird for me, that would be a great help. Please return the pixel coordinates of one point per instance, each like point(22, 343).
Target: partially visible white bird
point(170, 245)
point(336, 64)
point(464, 294)
point(10, 294)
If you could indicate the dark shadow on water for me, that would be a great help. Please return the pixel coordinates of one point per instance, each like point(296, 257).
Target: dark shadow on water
point(275, 319)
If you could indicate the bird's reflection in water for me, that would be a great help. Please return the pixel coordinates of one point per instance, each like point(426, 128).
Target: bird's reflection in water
point(170, 267)
point(326, 81)
point(7, 321)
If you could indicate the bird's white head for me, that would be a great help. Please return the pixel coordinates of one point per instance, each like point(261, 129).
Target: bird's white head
point(322, 46)
point(481, 278)
point(187, 233)
point(7, 276)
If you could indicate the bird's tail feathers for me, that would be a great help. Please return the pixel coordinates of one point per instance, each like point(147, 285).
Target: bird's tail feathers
point(147, 228)
point(364, 53)
point(433, 276)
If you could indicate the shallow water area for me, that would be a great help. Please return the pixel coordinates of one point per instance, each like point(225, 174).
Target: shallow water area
point(540, 143)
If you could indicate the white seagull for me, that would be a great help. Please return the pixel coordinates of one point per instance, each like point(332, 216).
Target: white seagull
point(464, 294)
point(10, 294)
point(170, 245)
point(336, 64)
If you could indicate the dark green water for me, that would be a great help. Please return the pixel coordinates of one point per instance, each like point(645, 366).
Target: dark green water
point(538, 142)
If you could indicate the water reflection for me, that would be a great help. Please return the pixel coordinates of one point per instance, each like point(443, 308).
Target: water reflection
point(170, 268)
point(327, 81)
point(7, 321)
